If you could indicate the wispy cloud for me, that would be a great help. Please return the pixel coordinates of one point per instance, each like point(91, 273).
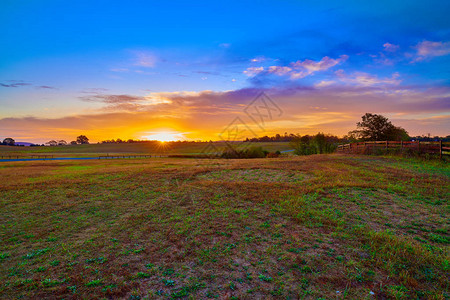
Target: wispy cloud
point(308, 67)
point(119, 70)
point(324, 83)
point(252, 71)
point(259, 59)
point(124, 102)
point(299, 69)
point(428, 49)
point(145, 59)
point(390, 47)
point(20, 83)
point(14, 84)
point(366, 79)
point(93, 90)
point(46, 87)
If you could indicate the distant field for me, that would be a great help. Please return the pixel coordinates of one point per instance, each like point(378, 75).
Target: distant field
point(321, 226)
point(130, 148)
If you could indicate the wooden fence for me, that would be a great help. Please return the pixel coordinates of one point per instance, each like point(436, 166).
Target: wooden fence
point(124, 156)
point(33, 156)
point(439, 148)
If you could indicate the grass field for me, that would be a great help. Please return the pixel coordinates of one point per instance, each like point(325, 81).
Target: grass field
point(132, 148)
point(321, 226)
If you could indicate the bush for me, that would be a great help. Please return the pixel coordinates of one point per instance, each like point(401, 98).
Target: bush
point(273, 154)
point(317, 144)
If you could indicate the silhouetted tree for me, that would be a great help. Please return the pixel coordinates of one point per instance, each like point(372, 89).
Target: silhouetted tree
point(62, 143)
point(73, 142)
point(375, 127)
point(82, 139)
point(52, 143)
point(9, 142)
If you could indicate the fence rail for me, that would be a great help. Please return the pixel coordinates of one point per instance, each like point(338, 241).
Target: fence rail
point(33, 156)
point(440, 148)
point(17, 157)
point(123, 156)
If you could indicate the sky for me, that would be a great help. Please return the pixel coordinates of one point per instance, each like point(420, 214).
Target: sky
point(197, 70)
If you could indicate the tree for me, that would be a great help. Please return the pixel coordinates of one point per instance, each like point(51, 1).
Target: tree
point(82, 139)
point(62, 143)
point(73, 142)
point(52, 143)
point(9, 142)
point(375, 127)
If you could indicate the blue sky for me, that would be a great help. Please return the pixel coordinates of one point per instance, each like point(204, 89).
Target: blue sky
point(112, 66)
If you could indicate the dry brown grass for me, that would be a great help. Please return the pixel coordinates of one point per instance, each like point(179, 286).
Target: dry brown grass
point(345, 226)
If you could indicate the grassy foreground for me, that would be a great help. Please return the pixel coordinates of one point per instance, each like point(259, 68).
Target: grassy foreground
point(322, 226)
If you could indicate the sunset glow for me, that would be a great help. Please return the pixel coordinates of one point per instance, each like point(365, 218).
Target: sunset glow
point(164, 136)
point(122, 74)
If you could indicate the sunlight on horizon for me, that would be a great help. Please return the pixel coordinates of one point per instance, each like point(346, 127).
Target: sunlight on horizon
point(165, 136)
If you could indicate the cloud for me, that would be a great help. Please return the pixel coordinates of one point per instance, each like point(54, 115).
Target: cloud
point(111, 99)
point(20, 83)
point(428, 49)
point(324, 83)
point(94, 90)
point(119, 70)
point(308, 67)
point(144, 59)
point(252, 71)
point(388, 47)
point(259, 59)
point(46, 87)
point(15, 84)
point(279, 70)
point(207, 73)
point(124, 102)
point(298, 69)
point(366, 79)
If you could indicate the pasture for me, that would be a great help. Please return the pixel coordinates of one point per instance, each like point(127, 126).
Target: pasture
point(320, 226)
point(151, 147)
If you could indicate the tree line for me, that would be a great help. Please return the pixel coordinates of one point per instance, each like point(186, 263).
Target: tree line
point(81, 139)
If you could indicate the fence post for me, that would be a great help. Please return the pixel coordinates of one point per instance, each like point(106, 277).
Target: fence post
point(387, 146)
point(418, 147)
point(440, 149)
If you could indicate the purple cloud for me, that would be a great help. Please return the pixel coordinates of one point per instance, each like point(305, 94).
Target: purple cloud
point(14, 85)
point(299, 69)
point(428, 49)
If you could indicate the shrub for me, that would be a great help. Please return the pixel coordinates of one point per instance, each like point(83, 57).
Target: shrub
point(273, 154)
point(317, 144)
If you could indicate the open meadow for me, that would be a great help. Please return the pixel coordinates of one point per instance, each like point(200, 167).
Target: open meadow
point(150, 147)
point(320, 226)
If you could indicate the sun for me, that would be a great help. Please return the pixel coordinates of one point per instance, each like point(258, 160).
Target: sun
point(164, 136)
